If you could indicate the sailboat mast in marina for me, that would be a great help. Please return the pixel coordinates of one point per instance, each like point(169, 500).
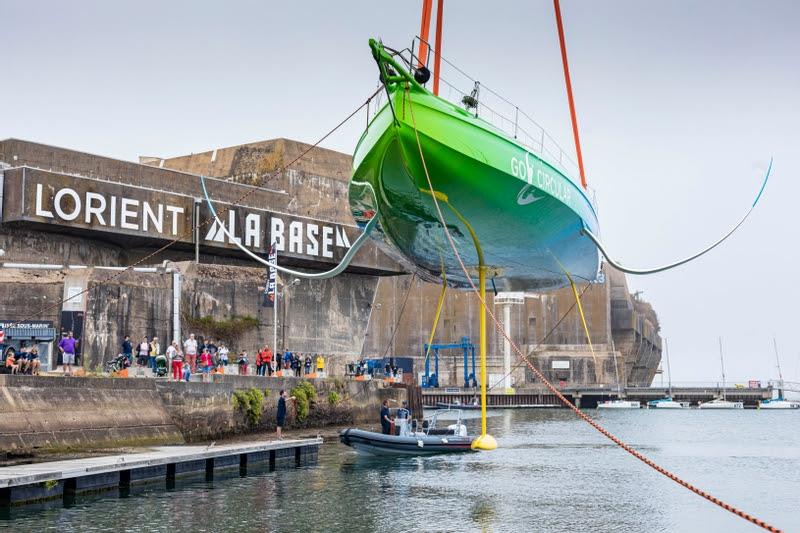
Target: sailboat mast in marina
point(721, 402)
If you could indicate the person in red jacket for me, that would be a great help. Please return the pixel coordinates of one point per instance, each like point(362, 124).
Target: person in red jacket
point(260, 362)
point(205, 361)
point(268, 360)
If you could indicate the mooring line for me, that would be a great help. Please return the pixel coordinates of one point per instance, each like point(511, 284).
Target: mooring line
point(616, 440)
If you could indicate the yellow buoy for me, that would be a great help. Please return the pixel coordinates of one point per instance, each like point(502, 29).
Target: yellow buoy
point(484, 442)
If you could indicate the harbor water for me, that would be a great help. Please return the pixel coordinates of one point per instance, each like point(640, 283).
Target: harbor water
point(552, 472)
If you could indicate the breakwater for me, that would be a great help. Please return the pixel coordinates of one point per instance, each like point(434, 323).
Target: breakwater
point(60, 414)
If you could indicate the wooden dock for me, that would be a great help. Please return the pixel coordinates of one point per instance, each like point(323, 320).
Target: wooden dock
point(29, 483)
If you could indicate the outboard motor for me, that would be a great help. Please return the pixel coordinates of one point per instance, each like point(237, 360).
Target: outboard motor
point(459, 430)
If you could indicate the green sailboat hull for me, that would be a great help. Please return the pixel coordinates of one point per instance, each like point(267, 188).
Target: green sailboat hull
point(526, 214)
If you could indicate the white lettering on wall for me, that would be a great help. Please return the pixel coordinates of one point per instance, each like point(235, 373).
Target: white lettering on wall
point(113, 211)
point(149, 216)
point(126, 213)
point(175, 211)
point(40, 211)
point(76, 211)
point(341, 238)
point(293, 235)
point(312, 230)
point(96, 210)
point(327, 241)
point(276, 233)
point(252, 230)
point(296, 237)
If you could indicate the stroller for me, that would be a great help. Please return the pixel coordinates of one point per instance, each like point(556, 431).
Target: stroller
point(161, 366)
point(118, 363)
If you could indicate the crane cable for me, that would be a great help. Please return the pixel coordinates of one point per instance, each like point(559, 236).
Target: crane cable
point(568, 82)
point(616, 440)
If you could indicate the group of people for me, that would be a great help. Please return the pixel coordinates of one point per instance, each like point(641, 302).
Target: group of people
point(146, 352)
point(206, 356)
point(371, 368)
point(388, 423)
point(268, 363)
point(24, 361)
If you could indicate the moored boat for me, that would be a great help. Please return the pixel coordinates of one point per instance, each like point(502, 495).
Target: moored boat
point(778, 403)
point(619, 404)
point(721, 403)
point(665, 403)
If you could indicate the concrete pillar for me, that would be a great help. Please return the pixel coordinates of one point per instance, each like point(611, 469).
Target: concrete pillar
point(507, 347)
point(507, 299)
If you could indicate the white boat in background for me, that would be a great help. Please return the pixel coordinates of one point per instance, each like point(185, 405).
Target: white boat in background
point(668, 402)
point(721, 402)
point(619, 404)
point(780, 402)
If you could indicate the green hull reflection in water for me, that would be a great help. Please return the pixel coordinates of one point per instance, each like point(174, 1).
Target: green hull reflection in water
point(526, 213)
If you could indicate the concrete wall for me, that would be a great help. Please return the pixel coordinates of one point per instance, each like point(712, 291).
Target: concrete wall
point(60, 414)
point(204, 411)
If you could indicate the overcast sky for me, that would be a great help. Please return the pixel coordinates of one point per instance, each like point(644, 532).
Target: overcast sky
point(680, 104)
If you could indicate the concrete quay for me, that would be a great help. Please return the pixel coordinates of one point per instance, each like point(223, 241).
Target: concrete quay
point(30, 483)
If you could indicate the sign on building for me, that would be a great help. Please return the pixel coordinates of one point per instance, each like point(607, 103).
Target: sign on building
point(86, 204)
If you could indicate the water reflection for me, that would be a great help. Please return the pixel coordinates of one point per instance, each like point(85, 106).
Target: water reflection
point(551, 473)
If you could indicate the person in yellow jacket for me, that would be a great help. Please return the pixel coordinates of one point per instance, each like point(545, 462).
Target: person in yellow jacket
point(320, 365)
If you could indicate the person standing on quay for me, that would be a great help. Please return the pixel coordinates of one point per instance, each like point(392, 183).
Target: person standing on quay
point(190, 350)
point(320, 366)
point(260, 362)
point(223, 355)
point(155, 350)
point(268, 360)
point(67, 349)
point(176, 360)
point(281, 418)
point(143, 353)
point(127, 348)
